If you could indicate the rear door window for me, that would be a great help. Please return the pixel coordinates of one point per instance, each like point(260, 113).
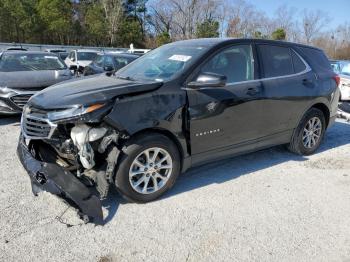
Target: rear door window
point(276, 60)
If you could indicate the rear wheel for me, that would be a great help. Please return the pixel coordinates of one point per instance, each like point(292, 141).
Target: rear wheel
point(308, 135)
point(149, 166)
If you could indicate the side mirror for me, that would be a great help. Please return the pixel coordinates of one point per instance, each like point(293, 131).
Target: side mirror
point(208, 80)
point(73, 67)
point(108, 68)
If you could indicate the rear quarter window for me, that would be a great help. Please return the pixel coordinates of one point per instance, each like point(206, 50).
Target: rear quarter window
point(316, 59)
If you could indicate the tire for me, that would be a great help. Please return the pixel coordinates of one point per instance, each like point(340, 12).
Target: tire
point(136, 149)
point(297, 144)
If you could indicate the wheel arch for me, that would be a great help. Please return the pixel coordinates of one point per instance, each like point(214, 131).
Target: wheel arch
point(166, 133)
point(325, 110)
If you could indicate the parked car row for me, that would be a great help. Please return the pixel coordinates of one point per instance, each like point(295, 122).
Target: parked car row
point(181, 105)
point(22, 74)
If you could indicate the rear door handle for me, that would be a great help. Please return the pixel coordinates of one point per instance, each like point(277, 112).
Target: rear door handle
point(252, 91)
point(307, 81)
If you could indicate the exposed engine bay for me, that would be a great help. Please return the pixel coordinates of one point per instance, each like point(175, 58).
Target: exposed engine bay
point(90, 153)
point(86, 153)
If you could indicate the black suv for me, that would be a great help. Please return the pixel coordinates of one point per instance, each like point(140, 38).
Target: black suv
point(179, 106)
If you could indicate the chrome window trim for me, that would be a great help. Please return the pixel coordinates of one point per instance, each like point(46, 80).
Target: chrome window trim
point(306, 70)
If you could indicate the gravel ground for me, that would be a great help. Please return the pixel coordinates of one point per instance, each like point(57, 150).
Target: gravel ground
point(266, 206)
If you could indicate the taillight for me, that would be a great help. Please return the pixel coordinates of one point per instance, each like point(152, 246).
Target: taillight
point(337, 79)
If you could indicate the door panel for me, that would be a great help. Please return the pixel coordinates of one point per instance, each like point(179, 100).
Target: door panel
point(224, 116)
point(288, 87)
point(220, 117)
point(284, 101)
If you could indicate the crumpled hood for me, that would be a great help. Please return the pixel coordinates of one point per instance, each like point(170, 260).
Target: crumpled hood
point(87, 91)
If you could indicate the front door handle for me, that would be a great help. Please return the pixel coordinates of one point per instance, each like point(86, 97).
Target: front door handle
point(252, 91)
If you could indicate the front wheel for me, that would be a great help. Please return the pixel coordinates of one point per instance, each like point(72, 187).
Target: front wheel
point(149, 166)
point(308, 135)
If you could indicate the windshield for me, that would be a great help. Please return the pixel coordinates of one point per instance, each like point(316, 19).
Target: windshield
point(163, 63)
point(30, 62)
point(89, 56)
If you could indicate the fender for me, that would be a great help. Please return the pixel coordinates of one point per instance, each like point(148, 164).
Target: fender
point(162, 110)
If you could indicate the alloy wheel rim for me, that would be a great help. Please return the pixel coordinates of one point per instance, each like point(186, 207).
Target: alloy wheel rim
point(312, 132)
point(150, 170)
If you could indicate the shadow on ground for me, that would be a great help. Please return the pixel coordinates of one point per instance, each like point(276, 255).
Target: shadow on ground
point(225, 170)
point(229, 169)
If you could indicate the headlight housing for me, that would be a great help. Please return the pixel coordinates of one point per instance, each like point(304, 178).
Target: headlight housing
point(73, 112)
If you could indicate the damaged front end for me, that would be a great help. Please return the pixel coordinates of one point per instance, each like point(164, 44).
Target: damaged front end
point(71, 157)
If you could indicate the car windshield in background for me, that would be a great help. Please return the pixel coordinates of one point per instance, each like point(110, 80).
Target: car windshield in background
point(89, 56)
point(30, 62)
point(341, 67)
point(335, 67)
point(163, 63)
point(346, 69)
point(122, 61)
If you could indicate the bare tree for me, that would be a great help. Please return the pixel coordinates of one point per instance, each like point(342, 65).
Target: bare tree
point(113, 10)
point(285, 18)
point(239, 18)
point(246, 21)
point(312, 23)
point(161, 16)
point(180, 18)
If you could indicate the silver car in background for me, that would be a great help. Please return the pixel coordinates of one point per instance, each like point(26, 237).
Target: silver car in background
point(342, 68)
point(22, 74)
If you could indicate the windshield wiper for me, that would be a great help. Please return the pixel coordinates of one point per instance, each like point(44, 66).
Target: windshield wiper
point(126, 78)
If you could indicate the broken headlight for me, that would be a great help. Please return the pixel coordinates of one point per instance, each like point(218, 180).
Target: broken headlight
point(75, 112)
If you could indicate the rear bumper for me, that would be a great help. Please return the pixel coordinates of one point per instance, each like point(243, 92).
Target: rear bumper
point(56, 180)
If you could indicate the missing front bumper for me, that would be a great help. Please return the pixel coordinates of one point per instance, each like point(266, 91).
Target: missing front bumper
point(56, 180)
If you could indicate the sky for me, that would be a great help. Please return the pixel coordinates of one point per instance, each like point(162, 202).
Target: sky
point(338, 10)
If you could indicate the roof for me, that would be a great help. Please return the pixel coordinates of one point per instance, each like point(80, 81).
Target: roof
point(28, 52)
point(216, 41)
point(130, 55)
point(87, 50)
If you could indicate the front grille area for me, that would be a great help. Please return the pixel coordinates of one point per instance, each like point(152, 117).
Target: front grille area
point(20, 100)
point(35, 125)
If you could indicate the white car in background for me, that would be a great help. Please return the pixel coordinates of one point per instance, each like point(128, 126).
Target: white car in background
point(137, 51)
point(342, 68)
point(78, 59)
